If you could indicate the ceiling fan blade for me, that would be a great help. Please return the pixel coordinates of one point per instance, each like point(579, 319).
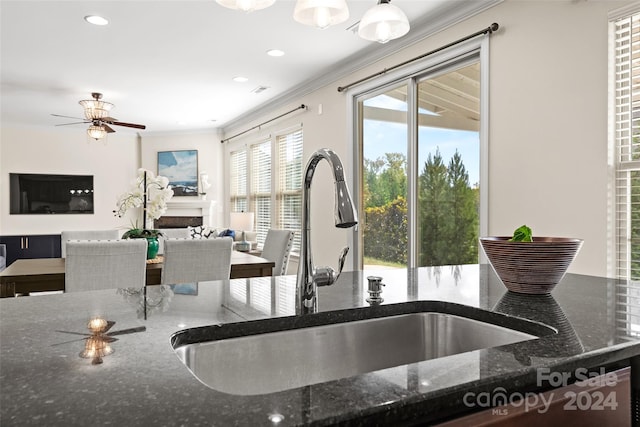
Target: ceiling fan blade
point(109, 119)
point(110, 324)
point(74, 333)
point(76, 123)
point(67, 342)
point(129, 125)
point(128, 331)
point(67, 117)
point(108, 128)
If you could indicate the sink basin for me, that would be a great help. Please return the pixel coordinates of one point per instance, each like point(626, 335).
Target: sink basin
point(281, 360)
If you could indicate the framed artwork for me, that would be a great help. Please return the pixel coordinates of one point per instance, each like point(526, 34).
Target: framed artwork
point(181, 167)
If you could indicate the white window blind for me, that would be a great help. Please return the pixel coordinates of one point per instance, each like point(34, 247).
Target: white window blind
point(266, 179)
point(625, 45)
point(289, 190)
point(238, 180)
point(627, 145)
point(261, 188)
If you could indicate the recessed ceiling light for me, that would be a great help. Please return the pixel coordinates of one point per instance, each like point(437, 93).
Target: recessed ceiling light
point(275, 52)
point(96, 20)
point(240, 79)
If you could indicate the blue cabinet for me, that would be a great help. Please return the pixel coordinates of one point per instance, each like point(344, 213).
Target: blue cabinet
point(31, 246)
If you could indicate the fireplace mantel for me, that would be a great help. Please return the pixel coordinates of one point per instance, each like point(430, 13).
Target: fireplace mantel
point(203, 208)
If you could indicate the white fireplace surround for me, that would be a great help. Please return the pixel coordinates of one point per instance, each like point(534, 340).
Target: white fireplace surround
point(203, 208)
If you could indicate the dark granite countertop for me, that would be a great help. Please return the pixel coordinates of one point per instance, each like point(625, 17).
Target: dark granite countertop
point(43, 381)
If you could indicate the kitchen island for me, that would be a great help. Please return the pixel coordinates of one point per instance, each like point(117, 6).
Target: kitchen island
point(43, 381)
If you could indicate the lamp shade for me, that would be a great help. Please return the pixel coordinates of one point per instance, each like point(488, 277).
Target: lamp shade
point(241, 221)
point(383, 22)
point(321, 13)
point(97, 132)
point(246, 5)
point(95, 108)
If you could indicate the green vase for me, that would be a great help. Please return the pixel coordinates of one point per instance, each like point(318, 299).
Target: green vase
point(152, 247)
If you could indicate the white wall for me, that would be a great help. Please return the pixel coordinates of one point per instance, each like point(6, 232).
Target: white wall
point(547, 134)
point(112, 162)
point(209, 160)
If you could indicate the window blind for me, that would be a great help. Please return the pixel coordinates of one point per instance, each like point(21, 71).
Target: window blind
point(261, 188)
point(269, 187)
point(238, 181)
point(626, 47)
point(289, 190)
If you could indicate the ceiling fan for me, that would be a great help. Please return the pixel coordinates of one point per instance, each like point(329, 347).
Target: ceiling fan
point(96, 112)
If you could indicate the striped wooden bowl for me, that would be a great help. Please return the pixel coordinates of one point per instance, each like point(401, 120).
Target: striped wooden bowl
point(531, 267)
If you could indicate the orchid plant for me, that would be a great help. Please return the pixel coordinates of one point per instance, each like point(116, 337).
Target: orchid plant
point(149, 192)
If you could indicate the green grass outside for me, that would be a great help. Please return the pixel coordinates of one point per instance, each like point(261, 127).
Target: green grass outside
point(373, 261)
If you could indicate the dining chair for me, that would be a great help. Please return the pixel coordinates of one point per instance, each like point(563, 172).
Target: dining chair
point(171, 233)
point(277, 248)
point(196, 260)
point(85, 235)
point(105, 264)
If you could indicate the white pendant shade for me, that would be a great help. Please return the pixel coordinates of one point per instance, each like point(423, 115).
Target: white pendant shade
point(321, 13)
point(246, 5)
point(383, 22)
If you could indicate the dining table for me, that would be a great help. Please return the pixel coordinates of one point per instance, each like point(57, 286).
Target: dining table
point(24, 276)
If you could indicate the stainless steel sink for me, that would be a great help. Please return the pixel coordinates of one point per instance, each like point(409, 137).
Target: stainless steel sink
point(276, 361)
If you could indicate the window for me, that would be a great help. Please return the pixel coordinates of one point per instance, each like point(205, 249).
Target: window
point(270, 172)
point(261, 188)
point(624, 79)
point(420, 169)
point(289, 192)
point(626, 141)
point(238, 178)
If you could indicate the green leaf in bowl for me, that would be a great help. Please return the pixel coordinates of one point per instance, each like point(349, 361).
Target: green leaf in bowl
point(522, 234)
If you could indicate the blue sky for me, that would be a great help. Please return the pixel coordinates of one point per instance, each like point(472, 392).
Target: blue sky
point(387, 137)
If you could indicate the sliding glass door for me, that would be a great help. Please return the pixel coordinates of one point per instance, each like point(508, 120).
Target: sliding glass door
point(384, 182)
point(419, 159)
point(448, 184)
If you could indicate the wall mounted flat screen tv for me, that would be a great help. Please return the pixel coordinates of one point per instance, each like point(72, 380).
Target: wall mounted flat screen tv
point(31, 193)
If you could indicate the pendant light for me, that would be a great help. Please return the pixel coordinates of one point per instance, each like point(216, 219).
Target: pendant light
point(97, 132)
point(383, 22)
point(246, 5)
point(321, 13)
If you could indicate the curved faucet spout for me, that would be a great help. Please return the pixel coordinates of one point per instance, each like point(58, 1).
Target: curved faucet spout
point(345, 216)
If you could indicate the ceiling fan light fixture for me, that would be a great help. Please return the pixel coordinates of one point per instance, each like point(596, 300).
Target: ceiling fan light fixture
point(246, 5)
point(95, 108)
point(321, 13)
point(97, 132)
point(383, 22)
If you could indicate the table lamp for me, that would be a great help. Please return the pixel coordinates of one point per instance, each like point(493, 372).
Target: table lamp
point(242, 221)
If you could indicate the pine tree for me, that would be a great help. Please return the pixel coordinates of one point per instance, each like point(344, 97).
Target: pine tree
point(432, 197)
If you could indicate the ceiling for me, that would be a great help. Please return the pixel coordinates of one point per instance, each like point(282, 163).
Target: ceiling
point(169, 64)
